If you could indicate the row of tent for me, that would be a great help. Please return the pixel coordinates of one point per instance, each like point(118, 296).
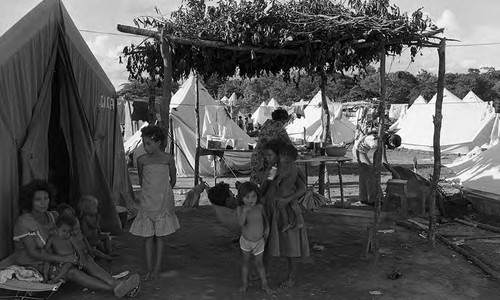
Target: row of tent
point(58, 119)
point(466, 123)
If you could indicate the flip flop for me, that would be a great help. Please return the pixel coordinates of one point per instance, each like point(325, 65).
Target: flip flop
point(127, 285)
point(121, 275)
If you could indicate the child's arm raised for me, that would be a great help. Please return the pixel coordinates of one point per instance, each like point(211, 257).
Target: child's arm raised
point(241, 213)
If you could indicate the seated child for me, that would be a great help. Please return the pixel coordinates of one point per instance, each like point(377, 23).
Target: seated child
point(221, 195)
point(287, 175)
point(79, 241)
point(254, 232)
point(90, 221)
point(60, 244)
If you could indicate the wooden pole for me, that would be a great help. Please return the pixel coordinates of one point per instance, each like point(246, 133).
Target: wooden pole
point(166, 54)
point(438, 116)
point(377, 159)
point(197, 117)
point(325, 122)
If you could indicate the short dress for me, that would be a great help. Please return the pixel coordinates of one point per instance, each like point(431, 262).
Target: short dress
point(156, 215)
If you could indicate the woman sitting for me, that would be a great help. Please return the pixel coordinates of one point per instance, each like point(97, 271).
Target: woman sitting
point(31, 231)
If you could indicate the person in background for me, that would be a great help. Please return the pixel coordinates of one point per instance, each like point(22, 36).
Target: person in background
point(240, 123)
point(249, 124)
point(272, 129)
point(90, 223)
point(363, 144)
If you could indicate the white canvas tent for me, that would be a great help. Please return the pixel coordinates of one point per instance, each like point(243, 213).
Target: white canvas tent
point(273, 103)
point(262, 113)
point(342, 130)
point(417, 103)
point(464, 125)
point(213, 121)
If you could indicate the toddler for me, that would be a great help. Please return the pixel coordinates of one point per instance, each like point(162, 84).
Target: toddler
point(90, 221)
point(254, 232)
point(287, 175)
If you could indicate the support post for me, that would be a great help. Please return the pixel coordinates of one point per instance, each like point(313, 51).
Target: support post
point(438, 116)
point(377, 160)
point(197, 117)
point(325, 122)
point(166, 54)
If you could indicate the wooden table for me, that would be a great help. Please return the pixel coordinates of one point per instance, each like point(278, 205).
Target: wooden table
point(320, 159)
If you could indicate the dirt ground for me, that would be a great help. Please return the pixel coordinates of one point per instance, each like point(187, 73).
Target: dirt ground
point(201, 260)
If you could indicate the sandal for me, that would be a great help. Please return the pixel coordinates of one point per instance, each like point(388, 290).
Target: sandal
point(126, 286)
point(133, 293)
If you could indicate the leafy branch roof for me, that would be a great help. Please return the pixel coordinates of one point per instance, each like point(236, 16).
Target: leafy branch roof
point(315, 34)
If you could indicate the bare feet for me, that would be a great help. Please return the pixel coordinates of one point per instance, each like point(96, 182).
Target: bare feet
point(268, 290)
point(287, 284)
point(243, 289)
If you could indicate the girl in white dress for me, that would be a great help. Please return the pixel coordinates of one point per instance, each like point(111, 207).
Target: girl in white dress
point(156, 217)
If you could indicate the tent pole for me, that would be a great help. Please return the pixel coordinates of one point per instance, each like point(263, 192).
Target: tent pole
point(197, 116)
point(438, 116)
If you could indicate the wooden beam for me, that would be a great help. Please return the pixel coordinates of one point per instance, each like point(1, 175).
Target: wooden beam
point(438, 116)
point(204, 43)
point(325, 120)
point(197, 133)
point(166, 55)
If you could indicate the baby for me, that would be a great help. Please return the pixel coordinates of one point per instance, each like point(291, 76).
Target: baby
point(61, 243)
point(287, 175)
point(90, 221)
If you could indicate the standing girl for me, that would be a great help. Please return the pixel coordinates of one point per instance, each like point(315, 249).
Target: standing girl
point(156, 217)
point(254, 232)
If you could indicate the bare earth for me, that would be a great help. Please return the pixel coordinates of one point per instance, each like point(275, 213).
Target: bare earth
point(202, 262)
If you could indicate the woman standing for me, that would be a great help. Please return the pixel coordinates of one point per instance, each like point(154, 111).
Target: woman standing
point(31, 231)
point(293, 243)
point(272, 129)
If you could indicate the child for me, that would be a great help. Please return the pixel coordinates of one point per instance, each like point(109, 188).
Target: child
point(60, 243)
point(90, 221)
point(288, 173)
point(79, 241)
point(221, 195)
point(254, 232)
point(156, 216)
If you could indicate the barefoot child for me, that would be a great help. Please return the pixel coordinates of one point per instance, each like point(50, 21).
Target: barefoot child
point(61, 244)
point(90, 222)
point(156, 216)
point(254, 232)
point(287, 175)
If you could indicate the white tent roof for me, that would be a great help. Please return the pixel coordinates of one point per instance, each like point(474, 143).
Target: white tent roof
point(262, 113)
point(471, 97)
point(341, 129)
point(420, 100)
point(464, 125)
point(273, 103)
point(232, 99)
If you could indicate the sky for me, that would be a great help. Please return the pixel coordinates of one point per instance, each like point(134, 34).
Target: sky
point(470, 22)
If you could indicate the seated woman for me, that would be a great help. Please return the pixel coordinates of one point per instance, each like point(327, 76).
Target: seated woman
point(31, 232)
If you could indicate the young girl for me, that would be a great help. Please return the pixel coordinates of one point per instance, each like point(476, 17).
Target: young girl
point(254, 232)
point(156, 217)
point(90, 222)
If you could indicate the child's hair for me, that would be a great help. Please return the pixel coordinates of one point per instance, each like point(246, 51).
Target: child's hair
point(289, 150)
point(61, 208)
point(85, 202)
point(153, 132)
point(246, 188)
point(66, 220)
point(274, 145)
point(219, 193)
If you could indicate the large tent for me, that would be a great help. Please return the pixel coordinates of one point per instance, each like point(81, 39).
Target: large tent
point(479, 171)
point(341, 129)
point(273, 103)
point(58, 120)
point(214, 121)
point(464, 125)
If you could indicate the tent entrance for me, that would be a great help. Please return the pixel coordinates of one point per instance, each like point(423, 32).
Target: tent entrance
point(59, 160)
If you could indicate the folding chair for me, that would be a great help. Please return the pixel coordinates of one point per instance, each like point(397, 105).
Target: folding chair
point(27, 290)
